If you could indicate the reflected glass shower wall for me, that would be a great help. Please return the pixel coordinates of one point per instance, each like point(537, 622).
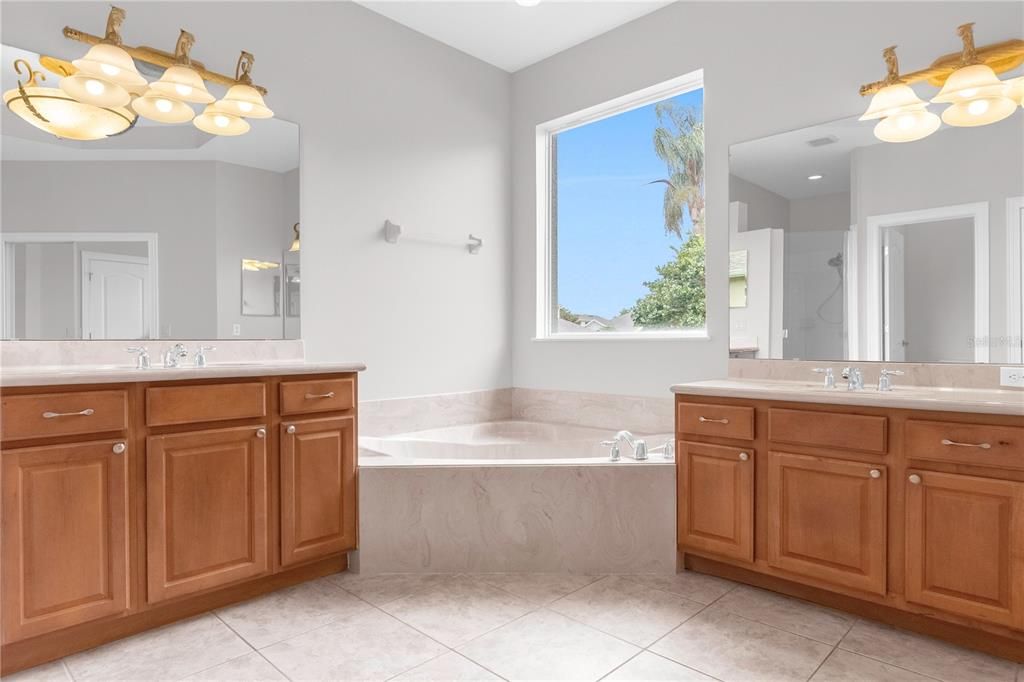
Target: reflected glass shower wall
point(814, 303)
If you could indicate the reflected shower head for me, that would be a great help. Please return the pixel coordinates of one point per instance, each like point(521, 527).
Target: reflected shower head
point(836, 261)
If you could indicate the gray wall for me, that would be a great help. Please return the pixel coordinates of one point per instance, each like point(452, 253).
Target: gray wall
point(806, 69)
point(395, 126)
point(764, 208)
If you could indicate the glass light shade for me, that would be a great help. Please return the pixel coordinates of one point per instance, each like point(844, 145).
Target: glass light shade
point(157, 107)
point(1015, 90)
point(245, 100)
point(95, 90)
point(183, 83)
point(969, 82)
point(907, 126)
point(216, 121)
point(111, 63)
point(296, 245)
point(66, 117)
point(979, 111)
point(891, 100)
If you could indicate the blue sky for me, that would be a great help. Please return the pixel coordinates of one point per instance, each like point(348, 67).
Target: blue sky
point(611, 232)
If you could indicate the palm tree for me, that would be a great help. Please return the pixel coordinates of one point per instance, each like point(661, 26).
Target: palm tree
point(679, 142)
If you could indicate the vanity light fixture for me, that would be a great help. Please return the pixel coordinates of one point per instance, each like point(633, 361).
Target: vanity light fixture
point(976, 94)
point(969, 84)
point(102, 93)
point(295, 242)
point(55, 112)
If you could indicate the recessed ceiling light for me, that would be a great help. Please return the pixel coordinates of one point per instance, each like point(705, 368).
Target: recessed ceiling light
point(527, 3)
point(815, 177)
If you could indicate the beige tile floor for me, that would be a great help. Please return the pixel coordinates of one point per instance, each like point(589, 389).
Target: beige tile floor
point(527, 627)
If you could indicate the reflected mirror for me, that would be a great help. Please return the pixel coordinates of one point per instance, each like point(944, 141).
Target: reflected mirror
point(863, 250)
point(140, 236)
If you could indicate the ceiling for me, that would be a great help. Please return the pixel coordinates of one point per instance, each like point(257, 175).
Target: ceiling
point(507, 35)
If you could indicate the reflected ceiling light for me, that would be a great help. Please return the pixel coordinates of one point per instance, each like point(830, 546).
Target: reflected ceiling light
point(902, 115)
point(216, 121)
point(815, 177)
point(254, 265)
point(969, 85)
point(55, 112)
point(295, 242)
point(162, 109)
point(103, 93)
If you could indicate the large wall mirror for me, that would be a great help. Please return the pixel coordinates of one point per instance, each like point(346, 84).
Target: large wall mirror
point(163, 231)
point(864, 250)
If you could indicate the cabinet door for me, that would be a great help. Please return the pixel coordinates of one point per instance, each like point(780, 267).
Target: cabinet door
point(206, 501)
point(716, 499)
point(827, 520)
point(965, 546)
point(318, 488)
point(65, 546)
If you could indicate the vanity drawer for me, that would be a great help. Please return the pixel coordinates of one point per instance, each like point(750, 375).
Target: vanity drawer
point(63, 414)
point(721, 421)
point(318, 395)
point(966, 443)
point(169, 405)
point(859, 432)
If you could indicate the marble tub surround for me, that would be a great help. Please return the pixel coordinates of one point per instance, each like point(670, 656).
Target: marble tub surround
point(526, 626)
point(591, 518)
point(947, 375)
point(598, 410)
point(976, 400)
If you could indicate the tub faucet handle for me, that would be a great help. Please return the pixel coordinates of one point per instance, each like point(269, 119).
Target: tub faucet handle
point(613, 455)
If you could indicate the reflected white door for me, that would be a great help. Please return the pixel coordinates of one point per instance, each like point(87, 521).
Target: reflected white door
point(115, 290)
point(894, 302)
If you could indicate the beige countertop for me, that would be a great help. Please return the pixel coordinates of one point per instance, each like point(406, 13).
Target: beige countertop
point(985, 401)
point(60, 375)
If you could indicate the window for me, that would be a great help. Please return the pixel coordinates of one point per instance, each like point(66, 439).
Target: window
point(621, 217)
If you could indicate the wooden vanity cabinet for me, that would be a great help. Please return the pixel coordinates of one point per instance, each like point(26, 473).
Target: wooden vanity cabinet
point(911, 517)
point(126, 507)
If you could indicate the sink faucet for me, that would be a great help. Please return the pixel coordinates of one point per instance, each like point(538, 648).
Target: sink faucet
point(174, 354)
point(855, 377)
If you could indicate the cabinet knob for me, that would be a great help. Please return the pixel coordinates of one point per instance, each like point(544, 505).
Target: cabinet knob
point(118, 448)
point(261, 433)
point(291, 429)
point(875, 473)
point(744, 457)
point(915, 479)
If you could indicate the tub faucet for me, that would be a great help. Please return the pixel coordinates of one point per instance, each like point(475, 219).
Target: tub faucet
point(639, 445)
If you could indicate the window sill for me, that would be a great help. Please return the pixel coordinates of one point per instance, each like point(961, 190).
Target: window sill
point(688, 335)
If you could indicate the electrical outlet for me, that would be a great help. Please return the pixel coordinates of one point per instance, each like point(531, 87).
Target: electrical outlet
point(1011, 376)
point(236, 330)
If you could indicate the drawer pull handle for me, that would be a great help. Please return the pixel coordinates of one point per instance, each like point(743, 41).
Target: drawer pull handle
point(317, 396)
point(983, 446)
point(915, 479)
point(84, 413)
point(875, 473)
point(291, 429)
point(744, 457)
point(261, 433)
point(712, 421)
point(118, 448)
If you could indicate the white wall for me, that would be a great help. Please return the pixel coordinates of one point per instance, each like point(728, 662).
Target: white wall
point(393, 125)
point(768, 67)
point(828, 212)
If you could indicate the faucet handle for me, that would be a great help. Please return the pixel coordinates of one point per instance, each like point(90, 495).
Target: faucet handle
point(884, 382)
point(830, 377)
point(614, 455)
point(200, 358)
point(892, 372)
point(142, 361)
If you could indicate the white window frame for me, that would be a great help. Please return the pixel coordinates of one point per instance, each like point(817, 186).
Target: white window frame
point(545, 246)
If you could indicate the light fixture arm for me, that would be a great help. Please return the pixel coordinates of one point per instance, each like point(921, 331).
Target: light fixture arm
point(969, 55)
point(30, 83)
point(114, 21)
point(892, 65)
point(243, 70)
point(183, 47)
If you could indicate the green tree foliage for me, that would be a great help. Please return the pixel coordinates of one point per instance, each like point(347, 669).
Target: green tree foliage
point(568, 315)
point(679, 142)
point(676, 298)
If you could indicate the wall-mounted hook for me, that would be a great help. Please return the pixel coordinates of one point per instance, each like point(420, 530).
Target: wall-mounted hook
point(474, 244)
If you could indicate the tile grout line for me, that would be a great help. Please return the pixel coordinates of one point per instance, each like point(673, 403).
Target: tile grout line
point(67, 668)
point(254, 649)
